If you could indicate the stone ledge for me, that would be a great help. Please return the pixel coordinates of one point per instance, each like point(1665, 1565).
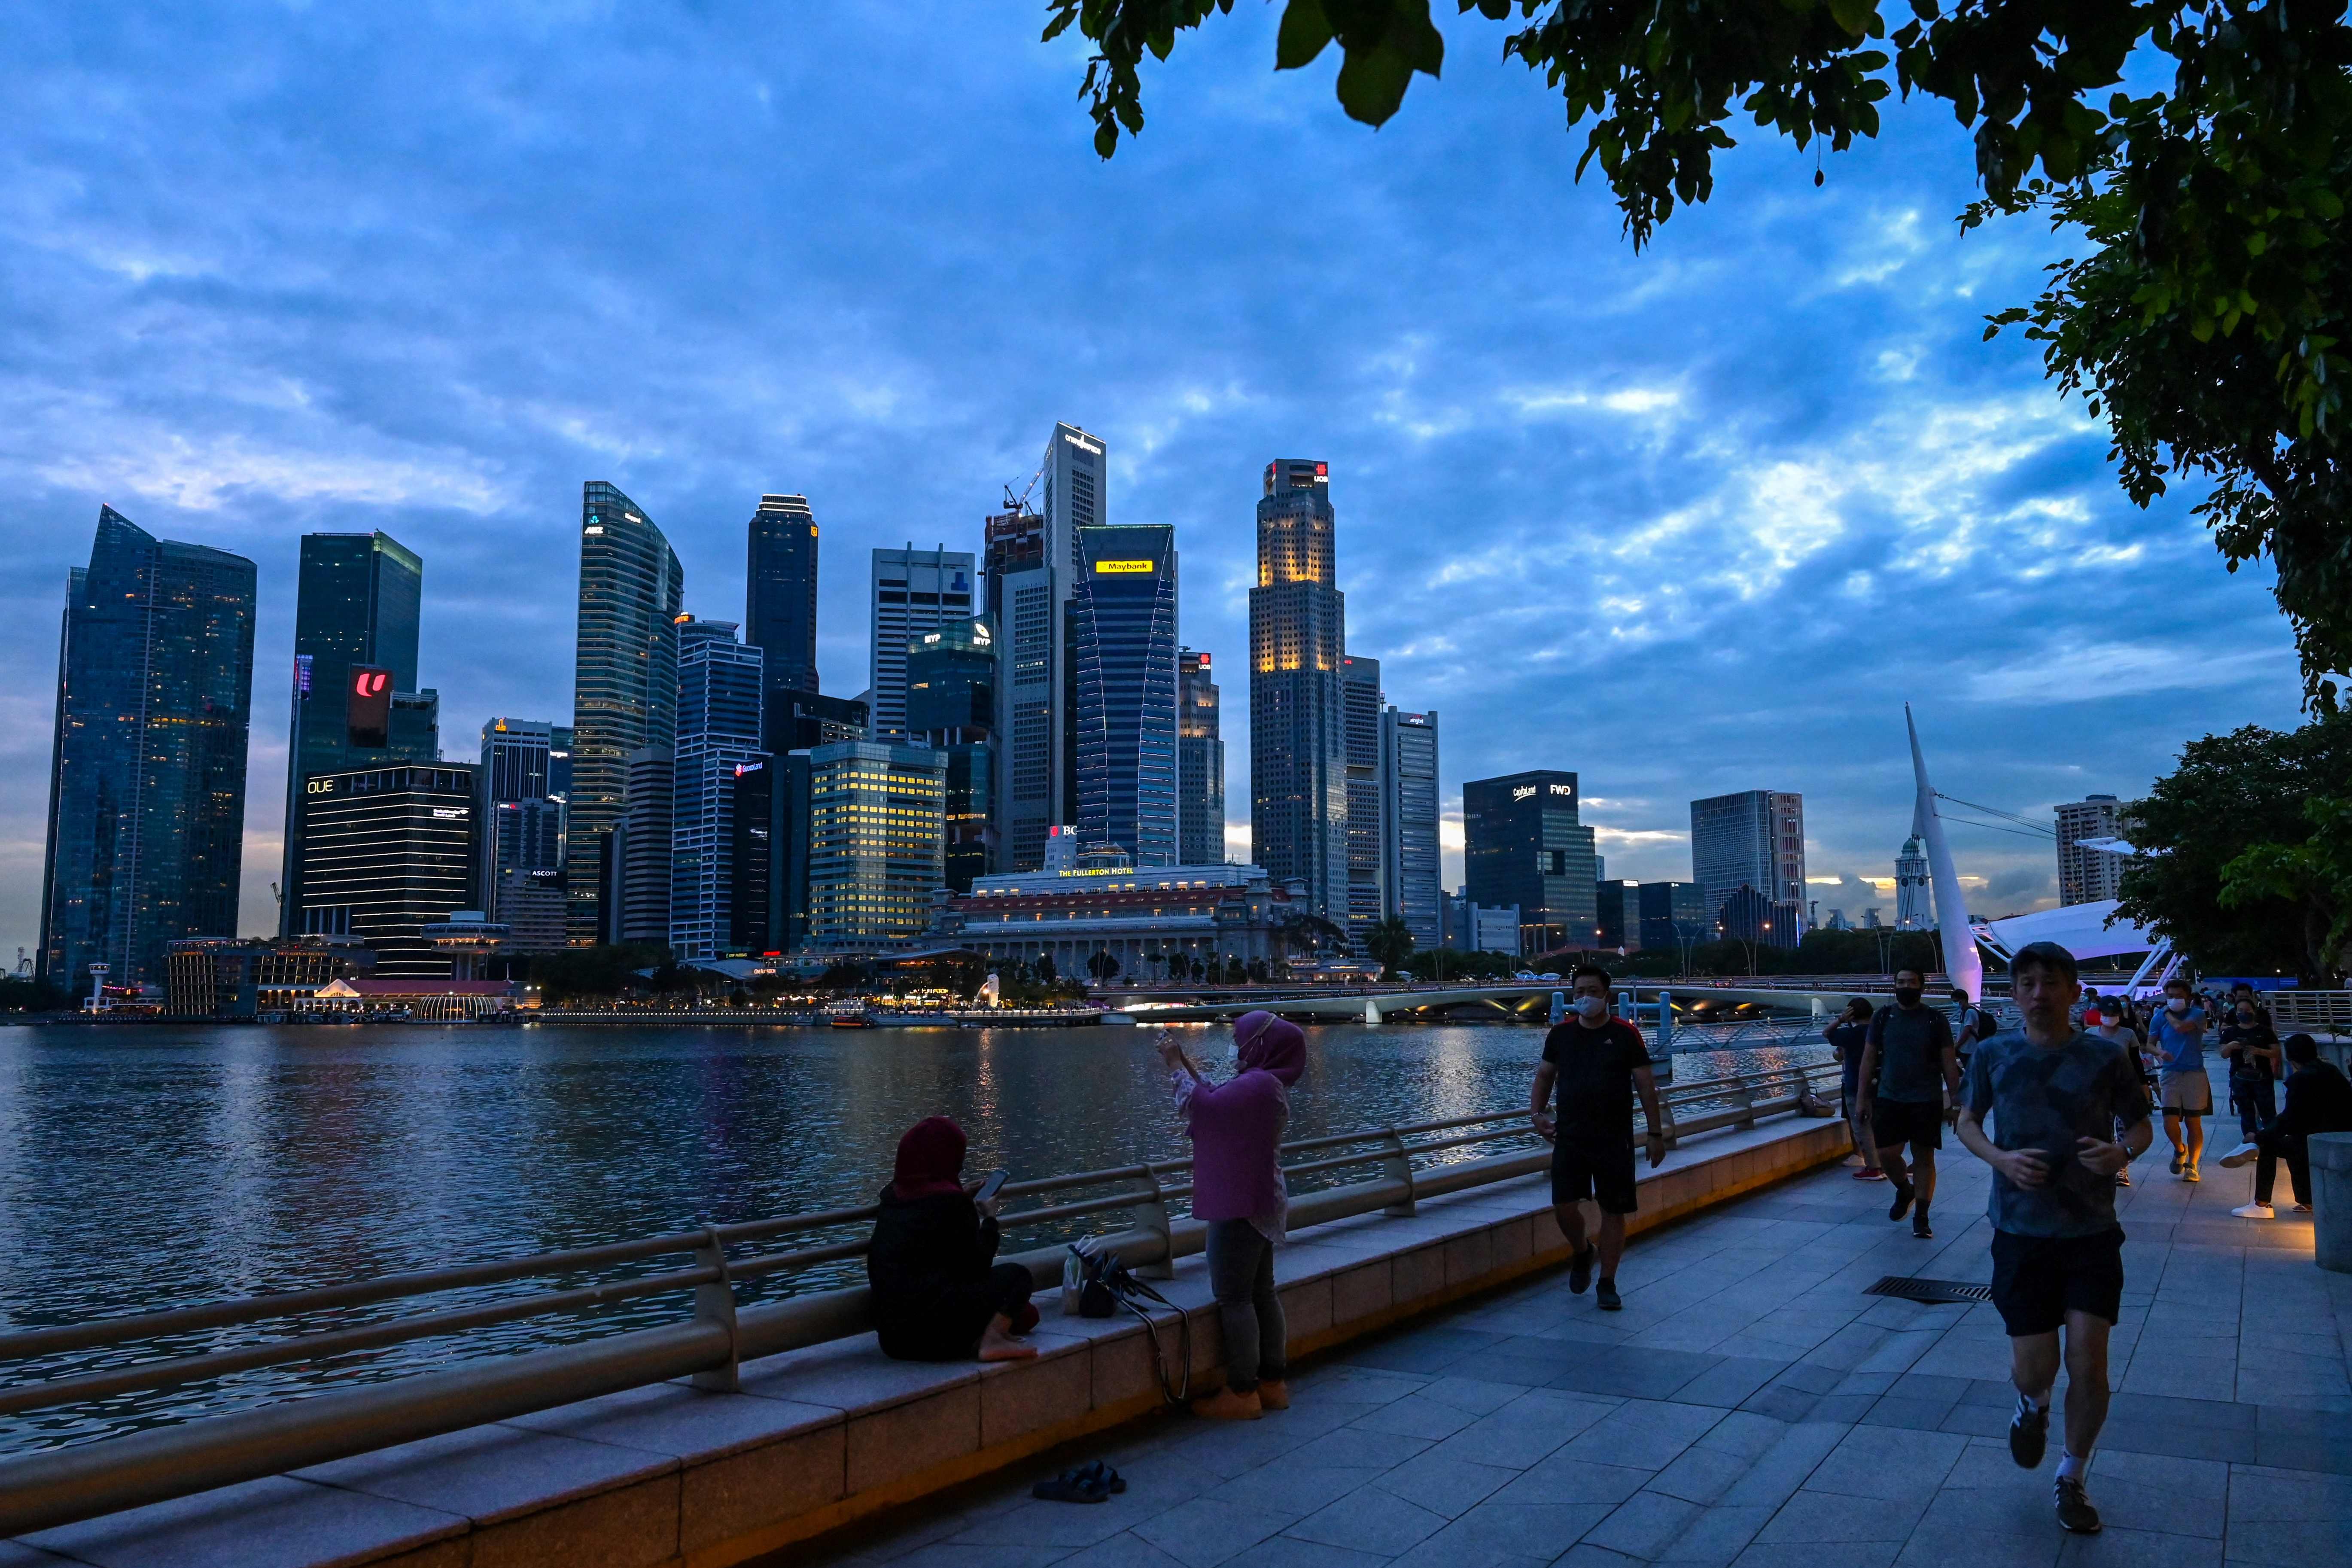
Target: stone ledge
point(672, 1477)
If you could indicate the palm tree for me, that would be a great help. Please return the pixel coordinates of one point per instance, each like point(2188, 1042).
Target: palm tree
point(1390, 942)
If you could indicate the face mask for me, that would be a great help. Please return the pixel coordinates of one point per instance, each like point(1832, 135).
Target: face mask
point(2177, 1004)
point(1909, 995)
point(1591, 1009)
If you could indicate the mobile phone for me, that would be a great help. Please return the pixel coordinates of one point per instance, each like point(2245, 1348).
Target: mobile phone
point(990, 1185)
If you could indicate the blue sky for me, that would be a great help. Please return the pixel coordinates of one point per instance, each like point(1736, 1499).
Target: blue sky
point(1685, 521)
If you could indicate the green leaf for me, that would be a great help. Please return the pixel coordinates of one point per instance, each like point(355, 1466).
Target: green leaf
point(1372, 82)
point(1305, 30)
point(1856, 16)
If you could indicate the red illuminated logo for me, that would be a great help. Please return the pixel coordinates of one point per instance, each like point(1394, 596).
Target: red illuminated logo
point(371, 682)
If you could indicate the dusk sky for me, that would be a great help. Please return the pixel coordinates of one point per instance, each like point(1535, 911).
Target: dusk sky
point(1685, 521)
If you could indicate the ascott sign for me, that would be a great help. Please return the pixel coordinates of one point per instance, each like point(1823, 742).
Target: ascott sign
point(1106, 566)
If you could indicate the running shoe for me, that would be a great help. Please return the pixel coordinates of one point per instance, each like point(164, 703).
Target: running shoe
point(1873, 1174)
point(2028, 1433)
point(2075, 1511)
point(2255, 1211)
point(1901, 1204)
point(2243, 1155)
point(2177, 1158)
point(1580, 1270)
point(2189, 1174)
point(1922, 1229)
point(2303, 1208)
point(1606, 1296)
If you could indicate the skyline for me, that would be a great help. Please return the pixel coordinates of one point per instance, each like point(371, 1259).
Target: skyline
point(1777, 425)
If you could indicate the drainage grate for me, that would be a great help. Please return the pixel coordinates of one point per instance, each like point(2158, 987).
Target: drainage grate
point(1910, 1288)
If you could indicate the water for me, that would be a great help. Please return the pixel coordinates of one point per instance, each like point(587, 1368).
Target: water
point(147, 1167)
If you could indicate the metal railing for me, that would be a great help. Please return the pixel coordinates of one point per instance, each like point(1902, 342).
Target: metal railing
point(2311, 1012)
point(59, 1486)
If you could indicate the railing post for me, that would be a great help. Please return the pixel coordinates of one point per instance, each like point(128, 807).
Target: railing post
point(1399, 1168)
point(1664, 1054)
point(714, 1301)
point(1151, 1215)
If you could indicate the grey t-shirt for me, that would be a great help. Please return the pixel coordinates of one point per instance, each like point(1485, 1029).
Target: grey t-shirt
point(1911, 1045)
point(2027, 1097)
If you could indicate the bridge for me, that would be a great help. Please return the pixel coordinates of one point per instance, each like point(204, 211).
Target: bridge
point(1520, 1000)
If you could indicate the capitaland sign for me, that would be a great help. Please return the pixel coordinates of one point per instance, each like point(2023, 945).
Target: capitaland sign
point(1110, 567)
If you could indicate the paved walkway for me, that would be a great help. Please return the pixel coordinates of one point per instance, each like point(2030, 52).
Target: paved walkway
point(1752, 1407)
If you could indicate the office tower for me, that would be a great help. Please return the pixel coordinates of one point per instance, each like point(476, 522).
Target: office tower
point(752, 856)
point(720, 683)
point(780, 592)
point(1409, 849)
point(1525, 845)
point(1748, 916)
point(914, 591)
point(1032, 569)
point(642, 844)
point(1754, 839)
point(2088, 875)
point(1200, 764)
point(877, 840)
point(951, 708)
point(1123, 653)
point(1673, 916)
point(358, 597)
point(1359, 682)
point(521, 818)
point(530, 906)
point(1299, 731)
point(1617, 913)
point(146, 828)
point(1914, 906)
point(386, 852)
point(625, 686)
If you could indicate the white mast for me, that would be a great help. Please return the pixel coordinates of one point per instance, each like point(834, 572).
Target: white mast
point(1960, 959)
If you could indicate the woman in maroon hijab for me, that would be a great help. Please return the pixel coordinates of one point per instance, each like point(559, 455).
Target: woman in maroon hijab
point(939, 1294)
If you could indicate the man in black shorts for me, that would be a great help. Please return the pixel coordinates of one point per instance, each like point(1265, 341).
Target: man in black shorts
point(1597, 1062)
point(1906, 1067)
point(2055, 1096)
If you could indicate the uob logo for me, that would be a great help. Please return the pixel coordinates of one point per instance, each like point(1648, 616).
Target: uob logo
point(368, 713)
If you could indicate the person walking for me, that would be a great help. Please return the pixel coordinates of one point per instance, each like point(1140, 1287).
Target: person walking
point(2109, 1017)
point(2054, 1096)
point(2318, 1099)
point(2178, 1035)
point(937, 1291)
point(1908, 1066)
point(1592, 1065)
point(1847, 1033)
point(1238, 1188)
point(1971, 1025)
point(2251, 1050)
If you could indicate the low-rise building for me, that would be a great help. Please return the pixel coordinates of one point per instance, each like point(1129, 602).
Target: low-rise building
point(1142, 917)
point(414, 996)
point(229, 977)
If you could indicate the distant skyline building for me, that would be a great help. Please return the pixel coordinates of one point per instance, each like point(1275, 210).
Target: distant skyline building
point(1748, 916)
point(2089, 876)
point(1674, 917)
point(385, 853)
point(876, 841)
point(1359, 684)
point(951, 708)
point(1525, 844)
point(719, 685)
point(1411, 877)
point(1123, 657)
point(641, 869)
point(780, 592)
point(521, 826)
point(1200, 764)
point(1617, 913)
point(914, 591)
point(146, 829)
point(1914, 906)
point(1299, 729)
point(1755, 838)
point(624, 684)
point(1032, 566)
point(357, 604)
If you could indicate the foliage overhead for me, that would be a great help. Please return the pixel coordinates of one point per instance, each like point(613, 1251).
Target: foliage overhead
point(2206, 321)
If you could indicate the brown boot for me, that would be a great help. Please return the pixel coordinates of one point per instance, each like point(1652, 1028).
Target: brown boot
point(1274, 1393)
point(1227, 1405)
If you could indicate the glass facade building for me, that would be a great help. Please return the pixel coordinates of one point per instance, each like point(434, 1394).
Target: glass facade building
point(1032, 567)
point(1200, 764)
point(719, 686)
point(1359, 679)
point(624, 684)
point(522, 820)
point(1524, 845)
point(1752, 840)
point(146, 830)
point(1123, 630)
point(1298, 720)
point(1410, 874)
point(914, 592)
point(951, 708)
point(385, 853)
point(877, 840)
point(780, 592)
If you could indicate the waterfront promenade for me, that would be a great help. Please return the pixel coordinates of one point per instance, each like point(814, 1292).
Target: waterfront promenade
point(1749, 1406)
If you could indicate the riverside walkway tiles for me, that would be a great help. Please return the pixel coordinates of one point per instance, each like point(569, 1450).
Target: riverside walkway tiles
point(1749, 1406)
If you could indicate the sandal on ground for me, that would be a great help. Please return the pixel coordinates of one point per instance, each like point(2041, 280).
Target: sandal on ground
point(1096, 1471)
point(1072, 1486)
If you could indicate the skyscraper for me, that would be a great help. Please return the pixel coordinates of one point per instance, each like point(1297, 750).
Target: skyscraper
point(1525, 845)
point(386, 852)
point(1359, 681)
point(1298, 731)
point(1123, 653)
point(1032, 563)
point(876, 842)
point(2087, 876)
point(951, 708)
point(355, 701)
point(1200, 764)
point(520, 820)
point(146, 827)
point(720, 683)
point(624, 685)
point(641, 866)
point(780, 592)
point(1409, 848)
point(1675, 916)
point(1752, 840)
point(914, 592)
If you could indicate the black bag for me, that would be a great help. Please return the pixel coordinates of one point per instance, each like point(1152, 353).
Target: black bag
point(1105, 1285)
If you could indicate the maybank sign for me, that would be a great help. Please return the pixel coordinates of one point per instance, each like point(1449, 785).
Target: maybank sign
point(1104, 567)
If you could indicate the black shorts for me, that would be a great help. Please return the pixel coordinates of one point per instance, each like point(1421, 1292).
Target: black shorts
point(1897, 1121)
point(1593, 1168)
point(2038, 1280)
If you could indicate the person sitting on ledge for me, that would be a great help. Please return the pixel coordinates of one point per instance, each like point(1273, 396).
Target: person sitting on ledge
point(939, 1293)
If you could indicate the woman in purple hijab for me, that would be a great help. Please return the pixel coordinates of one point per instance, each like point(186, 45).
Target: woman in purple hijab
point(1236, 1133)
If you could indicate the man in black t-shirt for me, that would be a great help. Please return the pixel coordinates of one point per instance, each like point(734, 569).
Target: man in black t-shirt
point(1594, 1063)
